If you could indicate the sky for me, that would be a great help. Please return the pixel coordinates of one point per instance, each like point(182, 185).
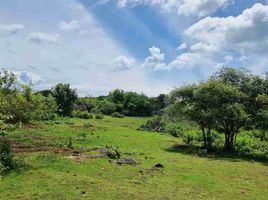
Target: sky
point(148, 46)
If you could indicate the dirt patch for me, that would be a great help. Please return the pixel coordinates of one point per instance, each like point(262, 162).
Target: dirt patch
point(80, 156)
point(19, 147)
point(158, 168)
point(124, 161)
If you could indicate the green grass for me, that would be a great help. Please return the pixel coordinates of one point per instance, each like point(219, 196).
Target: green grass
point(184, 176)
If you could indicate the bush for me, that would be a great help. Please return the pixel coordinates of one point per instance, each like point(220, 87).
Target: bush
point(248, 144)
point(6, 157)
point(99, 116)
point(82, 115)
point(5, 128)
point(117, 115)
point(174, 130)
point(156, 125)
point(113, 153)
point(88, 125)
point(192, 138)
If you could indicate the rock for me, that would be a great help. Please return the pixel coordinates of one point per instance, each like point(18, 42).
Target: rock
point(159, 165)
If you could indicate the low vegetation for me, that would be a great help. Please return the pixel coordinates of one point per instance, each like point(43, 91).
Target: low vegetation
point(185, 145)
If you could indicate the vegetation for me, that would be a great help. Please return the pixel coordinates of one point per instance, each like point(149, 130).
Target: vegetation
point(71, 144)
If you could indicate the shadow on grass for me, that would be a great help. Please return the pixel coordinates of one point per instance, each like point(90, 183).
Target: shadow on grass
point(215, 155)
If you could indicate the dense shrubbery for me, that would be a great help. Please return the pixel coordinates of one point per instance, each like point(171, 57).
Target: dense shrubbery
point(117, 115)
point(125, 103)
point(99, 116)
point(155, 125)
point(113, 153)
point(230, 101)
point(7, 162)
point(160, 125)
point(18, 104)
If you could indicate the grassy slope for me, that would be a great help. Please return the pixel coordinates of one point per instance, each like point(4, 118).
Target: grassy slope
point(184, 176)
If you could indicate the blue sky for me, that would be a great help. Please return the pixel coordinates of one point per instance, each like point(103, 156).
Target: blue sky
point(148, 46)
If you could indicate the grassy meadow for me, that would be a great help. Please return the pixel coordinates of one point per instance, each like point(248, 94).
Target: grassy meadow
point(51, 170)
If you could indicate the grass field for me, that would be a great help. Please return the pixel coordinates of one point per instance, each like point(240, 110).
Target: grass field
point(62, 175)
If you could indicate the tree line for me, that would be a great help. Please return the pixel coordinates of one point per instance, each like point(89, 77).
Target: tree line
point(229, 101)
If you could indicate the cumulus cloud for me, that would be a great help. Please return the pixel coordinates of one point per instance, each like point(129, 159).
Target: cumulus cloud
point(10, 29)
point(198, 8)
point(201, 7)
point(182, 46)
point(156, 60)
point(213, 38)
point(122, 63)
point(246, 33)
point(69, 26)
point(39, 37)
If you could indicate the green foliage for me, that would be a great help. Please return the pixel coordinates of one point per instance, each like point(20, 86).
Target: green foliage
point(106, 107)
point(229, 101)
point(88, 125)
point(70, 143)
point(174, 129)
point(6, 128)
point(82, 114)
point(7, 162)
point(65, 98)
point(249, 144)
point(155, 125)
point(99, 116)
point(113, 153)
point(192, 137)
point(117, 115)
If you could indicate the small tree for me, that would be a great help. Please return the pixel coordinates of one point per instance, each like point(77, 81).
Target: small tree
point(65, 98)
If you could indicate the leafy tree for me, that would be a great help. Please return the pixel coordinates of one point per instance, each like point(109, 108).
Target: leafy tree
point(190, 101)
point(106, 107)
point(65, 98)
point(214, 105)
point(8, 82)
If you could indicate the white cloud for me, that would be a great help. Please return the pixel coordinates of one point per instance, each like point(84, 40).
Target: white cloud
point(10, 29)
point(39, 37)
point(156, 60)
point(213, 38)
point(246, 33)
point(69, 26)
point(26, 77)
point(201, 8)
point(122, 63)
point(198, 8)
point(182, 46)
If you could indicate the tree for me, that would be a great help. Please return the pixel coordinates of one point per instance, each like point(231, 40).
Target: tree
point(196, 105)
point(214, 105)
point(65, 98)
point(8, 82)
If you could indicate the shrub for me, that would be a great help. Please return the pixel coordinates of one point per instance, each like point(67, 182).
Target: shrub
point(5, 128)
point(113, 153)
point(99, 116)
point(174, 130)
point(117, 115)
point(7, 162)
point(82, 114)
point(156, 125)
point(249, 145)
point(88, 125)
point(192, 138)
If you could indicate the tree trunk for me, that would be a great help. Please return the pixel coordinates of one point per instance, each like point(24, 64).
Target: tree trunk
point(229, 142)
point(204, 137)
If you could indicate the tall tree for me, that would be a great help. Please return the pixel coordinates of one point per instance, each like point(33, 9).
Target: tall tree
point(65, 98)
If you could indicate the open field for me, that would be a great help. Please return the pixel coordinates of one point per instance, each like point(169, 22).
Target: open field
point(54, 171)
